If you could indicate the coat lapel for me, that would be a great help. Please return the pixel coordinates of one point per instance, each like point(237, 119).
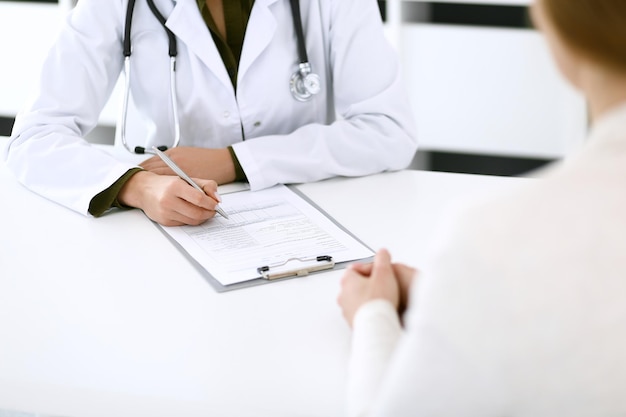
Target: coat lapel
point(259, 32)
point(184, 22)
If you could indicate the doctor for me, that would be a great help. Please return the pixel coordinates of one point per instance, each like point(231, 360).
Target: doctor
point(228, 94)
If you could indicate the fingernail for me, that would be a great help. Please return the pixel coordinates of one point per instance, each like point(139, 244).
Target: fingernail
point(217, 195)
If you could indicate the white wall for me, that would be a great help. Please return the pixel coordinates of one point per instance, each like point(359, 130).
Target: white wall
point(489, 91)
point(27, 30)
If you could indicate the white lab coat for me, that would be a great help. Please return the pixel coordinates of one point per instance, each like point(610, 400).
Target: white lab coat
point(359, 124)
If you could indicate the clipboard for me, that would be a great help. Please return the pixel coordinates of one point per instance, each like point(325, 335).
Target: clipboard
point(289, 268)
point(296, 267)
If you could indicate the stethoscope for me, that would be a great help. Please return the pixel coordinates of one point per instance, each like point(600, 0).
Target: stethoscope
point(303, 84)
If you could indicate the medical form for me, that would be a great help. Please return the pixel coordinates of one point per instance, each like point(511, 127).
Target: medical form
point(267, 230)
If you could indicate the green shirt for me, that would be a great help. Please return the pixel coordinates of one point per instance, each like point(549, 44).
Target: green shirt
point(236, 15)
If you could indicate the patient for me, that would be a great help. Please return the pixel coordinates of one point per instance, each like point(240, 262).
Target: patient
point(522, 312)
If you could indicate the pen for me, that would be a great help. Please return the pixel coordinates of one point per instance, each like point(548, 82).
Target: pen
point(184, 176)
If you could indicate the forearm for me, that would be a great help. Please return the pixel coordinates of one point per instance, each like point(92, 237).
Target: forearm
point(376, 330)
point(130, 194)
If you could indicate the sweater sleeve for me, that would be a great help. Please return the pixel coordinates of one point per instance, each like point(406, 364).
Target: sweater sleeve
point(107, 199)
point(376, 330)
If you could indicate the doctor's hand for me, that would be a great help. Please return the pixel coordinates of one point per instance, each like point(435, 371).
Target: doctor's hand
point(169, 200)
point(214, 164)
point(363, 283)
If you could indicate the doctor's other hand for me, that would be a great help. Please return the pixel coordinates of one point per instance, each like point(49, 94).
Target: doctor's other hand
point(363, 283)
point(214, 164)
point(169, 200)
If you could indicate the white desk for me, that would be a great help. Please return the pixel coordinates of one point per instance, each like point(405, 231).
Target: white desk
point(104, 317)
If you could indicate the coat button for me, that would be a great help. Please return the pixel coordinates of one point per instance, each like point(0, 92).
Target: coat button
point(226, 114)
point(257, 124)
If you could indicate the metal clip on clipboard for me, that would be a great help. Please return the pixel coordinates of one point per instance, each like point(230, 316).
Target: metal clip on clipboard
point(279, 271)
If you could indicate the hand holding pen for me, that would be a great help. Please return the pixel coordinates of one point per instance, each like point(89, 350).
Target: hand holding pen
point(185, 177)
point(169, 201)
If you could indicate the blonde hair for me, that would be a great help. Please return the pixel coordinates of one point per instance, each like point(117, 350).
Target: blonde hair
point(596, 28)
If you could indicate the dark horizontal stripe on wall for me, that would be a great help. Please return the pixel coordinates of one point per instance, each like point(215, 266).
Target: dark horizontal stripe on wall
point(463, 14)
point(482, 164)
point(6, 125)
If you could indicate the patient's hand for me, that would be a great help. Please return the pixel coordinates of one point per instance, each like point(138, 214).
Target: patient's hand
point(363, 283)
point(405, 276)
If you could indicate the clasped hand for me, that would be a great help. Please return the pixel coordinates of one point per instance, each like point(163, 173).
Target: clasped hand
point(379, 280)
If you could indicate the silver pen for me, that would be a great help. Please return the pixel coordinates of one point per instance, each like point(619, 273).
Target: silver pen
point(184, 176)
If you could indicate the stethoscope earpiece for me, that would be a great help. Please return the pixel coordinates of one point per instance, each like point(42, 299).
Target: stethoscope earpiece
point(140, 150)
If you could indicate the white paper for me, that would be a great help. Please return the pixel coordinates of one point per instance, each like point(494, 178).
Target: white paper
point(265, 228)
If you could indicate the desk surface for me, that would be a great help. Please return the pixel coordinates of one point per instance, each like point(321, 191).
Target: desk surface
point(104, 317)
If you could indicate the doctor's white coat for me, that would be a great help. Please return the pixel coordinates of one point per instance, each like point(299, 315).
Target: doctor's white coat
point(359, 124)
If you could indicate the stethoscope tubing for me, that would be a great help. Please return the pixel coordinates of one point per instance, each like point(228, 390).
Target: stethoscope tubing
point(303, 83)
point(173, 53)
point(297, 25)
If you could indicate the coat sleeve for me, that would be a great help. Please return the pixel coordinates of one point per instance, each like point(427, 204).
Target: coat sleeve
point(374, 130)
point(47, 152)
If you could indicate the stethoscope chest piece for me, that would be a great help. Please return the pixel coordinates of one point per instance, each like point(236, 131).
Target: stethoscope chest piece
point(304, 84)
